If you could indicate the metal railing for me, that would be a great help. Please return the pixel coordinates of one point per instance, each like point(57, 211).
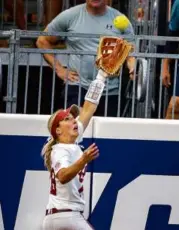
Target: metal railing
point(141, 97)
point(8, 57)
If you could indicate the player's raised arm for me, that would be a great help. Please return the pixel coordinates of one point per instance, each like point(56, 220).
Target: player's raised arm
point(92, 98)
point(109, 60)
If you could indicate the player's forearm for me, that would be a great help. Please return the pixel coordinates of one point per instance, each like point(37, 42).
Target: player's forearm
point(92, 98)
point(87, 112)
point(67, 174)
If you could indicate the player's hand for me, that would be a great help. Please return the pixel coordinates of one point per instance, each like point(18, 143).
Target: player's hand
point(166, 78)
point(91, 153)
point(65, 74)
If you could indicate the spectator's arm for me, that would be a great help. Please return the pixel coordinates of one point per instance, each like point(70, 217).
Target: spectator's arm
point(59, 24)
point(48, 42)
point(170, 48)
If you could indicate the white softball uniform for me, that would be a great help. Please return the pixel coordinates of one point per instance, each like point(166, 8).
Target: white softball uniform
point(69, 197)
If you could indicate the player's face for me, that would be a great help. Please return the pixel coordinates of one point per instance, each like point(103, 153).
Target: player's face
point(96, 3)
point(68, 128)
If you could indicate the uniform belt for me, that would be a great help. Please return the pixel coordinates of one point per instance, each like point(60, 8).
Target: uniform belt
point(54, 210)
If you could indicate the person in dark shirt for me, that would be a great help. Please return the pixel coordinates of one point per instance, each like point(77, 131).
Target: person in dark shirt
point(169, 64)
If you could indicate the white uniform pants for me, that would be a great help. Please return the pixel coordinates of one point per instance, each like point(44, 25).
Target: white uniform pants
point(66, 221)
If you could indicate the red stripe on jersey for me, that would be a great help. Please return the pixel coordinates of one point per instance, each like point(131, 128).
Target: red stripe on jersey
point(53, 189)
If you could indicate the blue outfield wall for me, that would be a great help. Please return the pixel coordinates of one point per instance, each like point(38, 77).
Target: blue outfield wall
point(133, 185)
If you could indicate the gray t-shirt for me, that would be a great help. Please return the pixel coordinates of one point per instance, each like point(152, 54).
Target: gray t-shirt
point(78, 20)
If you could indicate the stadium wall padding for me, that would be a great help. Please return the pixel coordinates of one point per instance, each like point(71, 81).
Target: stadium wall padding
point(133, 185)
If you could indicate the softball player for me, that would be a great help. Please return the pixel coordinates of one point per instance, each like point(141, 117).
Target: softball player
point(67, 163)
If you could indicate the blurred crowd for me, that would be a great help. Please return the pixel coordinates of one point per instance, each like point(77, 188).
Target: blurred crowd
point(20, 13)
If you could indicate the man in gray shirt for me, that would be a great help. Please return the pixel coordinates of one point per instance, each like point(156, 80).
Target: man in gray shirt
point(93, 17)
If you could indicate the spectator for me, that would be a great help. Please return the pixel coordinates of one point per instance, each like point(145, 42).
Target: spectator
point(172, 47)
point(93, 17)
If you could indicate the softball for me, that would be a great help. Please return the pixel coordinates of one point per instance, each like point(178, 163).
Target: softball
point(121, 22)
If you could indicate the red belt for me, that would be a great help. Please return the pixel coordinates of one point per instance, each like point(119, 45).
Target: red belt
point(54, 210)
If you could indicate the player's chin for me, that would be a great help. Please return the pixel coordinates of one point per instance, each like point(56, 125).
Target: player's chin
point(75, 133)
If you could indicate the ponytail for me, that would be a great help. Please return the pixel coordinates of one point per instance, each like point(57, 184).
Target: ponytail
point(47, 148)
point(46, 153)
